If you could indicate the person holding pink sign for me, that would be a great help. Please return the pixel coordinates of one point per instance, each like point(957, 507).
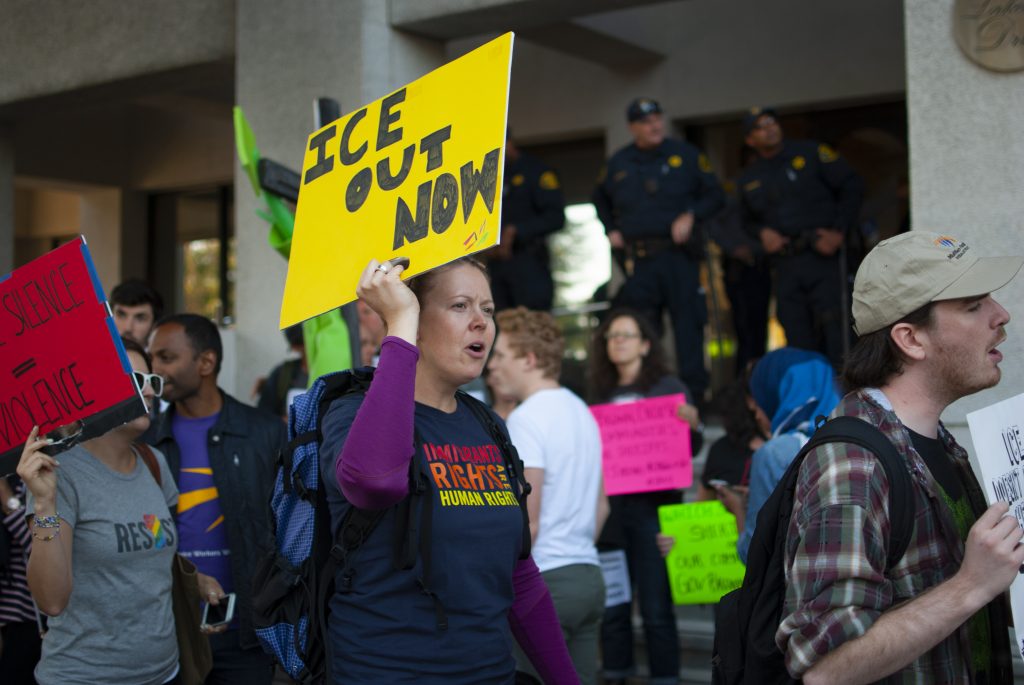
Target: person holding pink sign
point(626, 364)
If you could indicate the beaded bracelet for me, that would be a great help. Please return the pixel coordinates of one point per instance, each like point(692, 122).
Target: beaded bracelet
point(46, 538)
point(47, 521)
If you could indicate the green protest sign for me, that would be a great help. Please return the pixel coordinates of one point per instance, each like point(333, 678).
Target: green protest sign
point(703, 564)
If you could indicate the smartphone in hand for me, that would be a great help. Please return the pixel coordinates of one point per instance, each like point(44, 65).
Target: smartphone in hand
point(219, 614)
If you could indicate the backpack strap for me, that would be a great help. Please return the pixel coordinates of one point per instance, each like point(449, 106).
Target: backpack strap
point(149, 459)
point(513, 464)
point(420, 491)
point(849, 429)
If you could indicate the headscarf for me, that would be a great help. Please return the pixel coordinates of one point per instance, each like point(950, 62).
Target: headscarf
point(793, 387)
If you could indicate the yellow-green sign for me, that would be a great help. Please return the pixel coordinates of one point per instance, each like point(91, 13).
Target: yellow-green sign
point(415, 174)
point(703, 565)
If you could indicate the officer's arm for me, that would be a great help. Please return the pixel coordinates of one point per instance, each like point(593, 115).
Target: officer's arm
point(548, 205)
point(992, 557)
point(710, 196)
point(847, 185)
point(603, 203)
point(749, 220)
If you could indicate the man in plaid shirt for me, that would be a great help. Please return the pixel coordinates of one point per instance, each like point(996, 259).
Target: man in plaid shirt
point(928, 332)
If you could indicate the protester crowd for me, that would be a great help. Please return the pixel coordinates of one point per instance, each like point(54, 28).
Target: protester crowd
point(509, 587)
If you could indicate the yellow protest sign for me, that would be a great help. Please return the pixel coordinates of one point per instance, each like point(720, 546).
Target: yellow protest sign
point(703, 565)
point(415, 174)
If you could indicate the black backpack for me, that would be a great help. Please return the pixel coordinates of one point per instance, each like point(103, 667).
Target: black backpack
point(748, 617)
point(293, 586)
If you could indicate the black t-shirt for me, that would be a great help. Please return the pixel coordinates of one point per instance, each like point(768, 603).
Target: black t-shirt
point(727, 461)
point(934, 454)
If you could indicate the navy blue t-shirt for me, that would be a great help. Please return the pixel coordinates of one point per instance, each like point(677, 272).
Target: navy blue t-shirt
point(385, 629)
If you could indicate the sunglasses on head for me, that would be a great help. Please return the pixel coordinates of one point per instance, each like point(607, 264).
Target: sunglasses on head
point(155, 381)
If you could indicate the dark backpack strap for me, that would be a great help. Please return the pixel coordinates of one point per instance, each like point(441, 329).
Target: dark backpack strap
point(901, 494)
point(513, 464)
point(421, 492)
point(149, 459)
point(414, 531)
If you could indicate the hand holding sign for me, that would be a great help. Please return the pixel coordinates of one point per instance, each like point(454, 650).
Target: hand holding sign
point(992, 554)
point(37, 469)
point(381, 288)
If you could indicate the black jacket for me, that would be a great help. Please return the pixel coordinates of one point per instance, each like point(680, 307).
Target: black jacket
point(243, 446)
point(532, 201)
point(803, 187)
point(641, 192)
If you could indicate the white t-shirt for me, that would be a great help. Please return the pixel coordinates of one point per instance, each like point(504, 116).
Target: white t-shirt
point(555, 431)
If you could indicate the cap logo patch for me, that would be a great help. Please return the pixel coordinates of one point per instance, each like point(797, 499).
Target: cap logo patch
point(959, 247)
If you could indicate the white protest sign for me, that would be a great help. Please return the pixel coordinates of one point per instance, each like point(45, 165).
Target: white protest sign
point(998, 435)
point(617, 588)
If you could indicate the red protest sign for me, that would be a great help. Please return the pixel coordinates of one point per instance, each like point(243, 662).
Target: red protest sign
point(61, 359)
point(645, 446)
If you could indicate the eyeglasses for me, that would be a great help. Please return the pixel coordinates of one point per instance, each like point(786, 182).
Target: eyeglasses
point(155, 381)
point(620, 335)
point(763, 123)
point(64, 438)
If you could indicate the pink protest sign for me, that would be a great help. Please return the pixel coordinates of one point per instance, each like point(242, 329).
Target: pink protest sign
point(645, 445)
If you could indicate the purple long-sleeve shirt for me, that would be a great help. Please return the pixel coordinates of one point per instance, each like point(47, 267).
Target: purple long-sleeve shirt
point(372, 471)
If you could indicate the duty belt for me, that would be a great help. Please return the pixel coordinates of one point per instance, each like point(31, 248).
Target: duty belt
point(799, 244)
point(645, 247)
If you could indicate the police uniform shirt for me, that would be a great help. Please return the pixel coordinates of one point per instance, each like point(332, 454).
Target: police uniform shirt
point(531, 200)
point(643, 191)
point(807, 185)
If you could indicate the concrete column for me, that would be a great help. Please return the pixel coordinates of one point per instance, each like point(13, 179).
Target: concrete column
point(6, 201)
point(343, 49)
point(966, 173)
point(134, 234)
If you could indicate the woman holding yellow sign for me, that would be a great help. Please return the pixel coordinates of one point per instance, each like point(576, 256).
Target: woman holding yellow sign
point(449, 616)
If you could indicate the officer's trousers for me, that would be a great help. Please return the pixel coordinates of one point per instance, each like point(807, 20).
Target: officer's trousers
point(749, 289)
point(522, 280)
point(809, 305)
point(671, 279)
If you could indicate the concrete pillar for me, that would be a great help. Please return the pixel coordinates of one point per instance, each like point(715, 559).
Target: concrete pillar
point(343, 49)
point(966, 168)
point(134, 234)
point(6, 201)
point(100, 222)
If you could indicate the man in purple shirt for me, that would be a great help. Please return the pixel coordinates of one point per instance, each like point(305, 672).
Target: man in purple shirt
point(222, 454)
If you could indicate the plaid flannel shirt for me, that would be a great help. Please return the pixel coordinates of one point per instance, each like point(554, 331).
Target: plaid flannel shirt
point(836, 581)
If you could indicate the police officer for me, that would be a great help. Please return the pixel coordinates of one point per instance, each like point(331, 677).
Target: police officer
point(747, 278)
point(649, 198)
point(799, 199)
point(531, 209)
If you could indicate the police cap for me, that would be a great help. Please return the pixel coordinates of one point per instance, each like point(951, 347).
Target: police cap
point(640, 108)
point(752, 115)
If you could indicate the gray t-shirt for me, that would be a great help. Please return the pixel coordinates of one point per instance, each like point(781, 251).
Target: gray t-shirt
point(118, 626)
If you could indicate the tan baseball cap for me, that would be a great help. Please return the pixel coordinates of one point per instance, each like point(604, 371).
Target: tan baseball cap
point(907, 272)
